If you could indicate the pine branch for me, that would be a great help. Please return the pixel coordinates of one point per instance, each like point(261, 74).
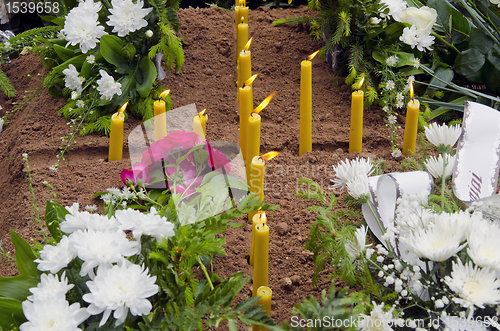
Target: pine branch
point(6, 85)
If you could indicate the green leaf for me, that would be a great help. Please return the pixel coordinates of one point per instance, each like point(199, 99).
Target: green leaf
point(24, 256)
point(443, 13)
point(112, 49)
point(233, 325)
point(56, 20)
point(491, 70)
point(147, 75)
point(445, 74)
point(54, 215)
point(87, 67)
point(480, 41)
point(77, 61)
point(232, 182)
point(64, 53)
point(469, 62)
point(460, 23)
point(17, 287)
point(11, 313)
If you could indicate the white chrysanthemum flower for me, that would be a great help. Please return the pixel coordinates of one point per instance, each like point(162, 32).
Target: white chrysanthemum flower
point(355, 249)
point(72, 80)
point(87, 221)
point(435, 242)
point(101, 248)
point(474, 286)
point(50, 288)
point(120, 289)
point(107, 86)
point(436, 166)
point(54, 258)
point(90, 59)
point(396, 8)
point(82, 27)
point(52, 314)
point(392, 119)
point(150, 224)
point(357, 187)
point(127, 16)
point(378, 320)
point(410, 36)
point(443, 134)
point(73, 209)
point(483, 244)
point(389, 85)
point(392, 60)
point(396, 153)
point(425, 41)
point(347, 170)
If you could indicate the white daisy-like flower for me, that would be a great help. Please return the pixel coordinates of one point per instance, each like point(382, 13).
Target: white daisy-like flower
point(87, 221)
point(150, 224)
point(443, 134)
point(396, 153)
point(82, 27)
point(101, 248)
point(127, 16)
point(91, 208)
point(347, 170)
point(389, 85)
point(54, 258)
point(107, 86)
point(474, 286)
point(355, 249)
point(90, 59)
point(120, 289)
point(392, 60)
point(80, 103)
point(411, 79)
point(439, 240)
point(61, 35)
point(378, 320)
point(50, 287)
point(386, 109)
point(483, 244)
point(399, 104)
point(410, 36)
point(392, 119)
point(52, 314)
point(416, 62)
point(400, 96)
point(358, 187)
point(436, 166)
point(72, 80)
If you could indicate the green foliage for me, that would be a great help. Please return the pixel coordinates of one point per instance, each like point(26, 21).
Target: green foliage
point(6, 85)
point(334, 306)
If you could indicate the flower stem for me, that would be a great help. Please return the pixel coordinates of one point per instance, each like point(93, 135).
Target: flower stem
point(205, 272)
point(378, 222)
point(449, 45)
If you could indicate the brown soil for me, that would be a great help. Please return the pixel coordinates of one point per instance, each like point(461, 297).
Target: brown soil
point(207, 79)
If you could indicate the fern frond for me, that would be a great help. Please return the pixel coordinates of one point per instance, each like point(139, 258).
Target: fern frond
point(6, 85)
point(294, 20)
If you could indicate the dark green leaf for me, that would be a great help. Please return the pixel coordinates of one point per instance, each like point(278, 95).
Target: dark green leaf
point(469, 62)
point(480, 41)
point(24, 256)
point(444, 74)
point(443, 13)
point(11, 313)
point(147, 75)
point(112, 49)
point(64, 53)
point(56, 20)
point(17, 287)
point(460, 23)
point(77, 61)
point(233, 325)
point(491, 70)
point(54, 215)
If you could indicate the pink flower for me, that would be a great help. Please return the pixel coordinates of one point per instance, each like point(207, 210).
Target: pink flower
point(217, 159)
point(139, 171)
point(177, 141)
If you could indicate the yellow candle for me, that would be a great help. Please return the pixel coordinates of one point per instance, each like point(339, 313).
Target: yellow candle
point(265, 295)
point(116, 135)
point(356, 131)
point(261, 258)
point(200, 124)
point(258, 218)
point(243, 14)
point(411, 126)
point(256, 180)
point(253, 141)
point(305, 130)
point(245, 100)
point(160, 120)
point(237, 15)
point(241, 38)
point(244, 65)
